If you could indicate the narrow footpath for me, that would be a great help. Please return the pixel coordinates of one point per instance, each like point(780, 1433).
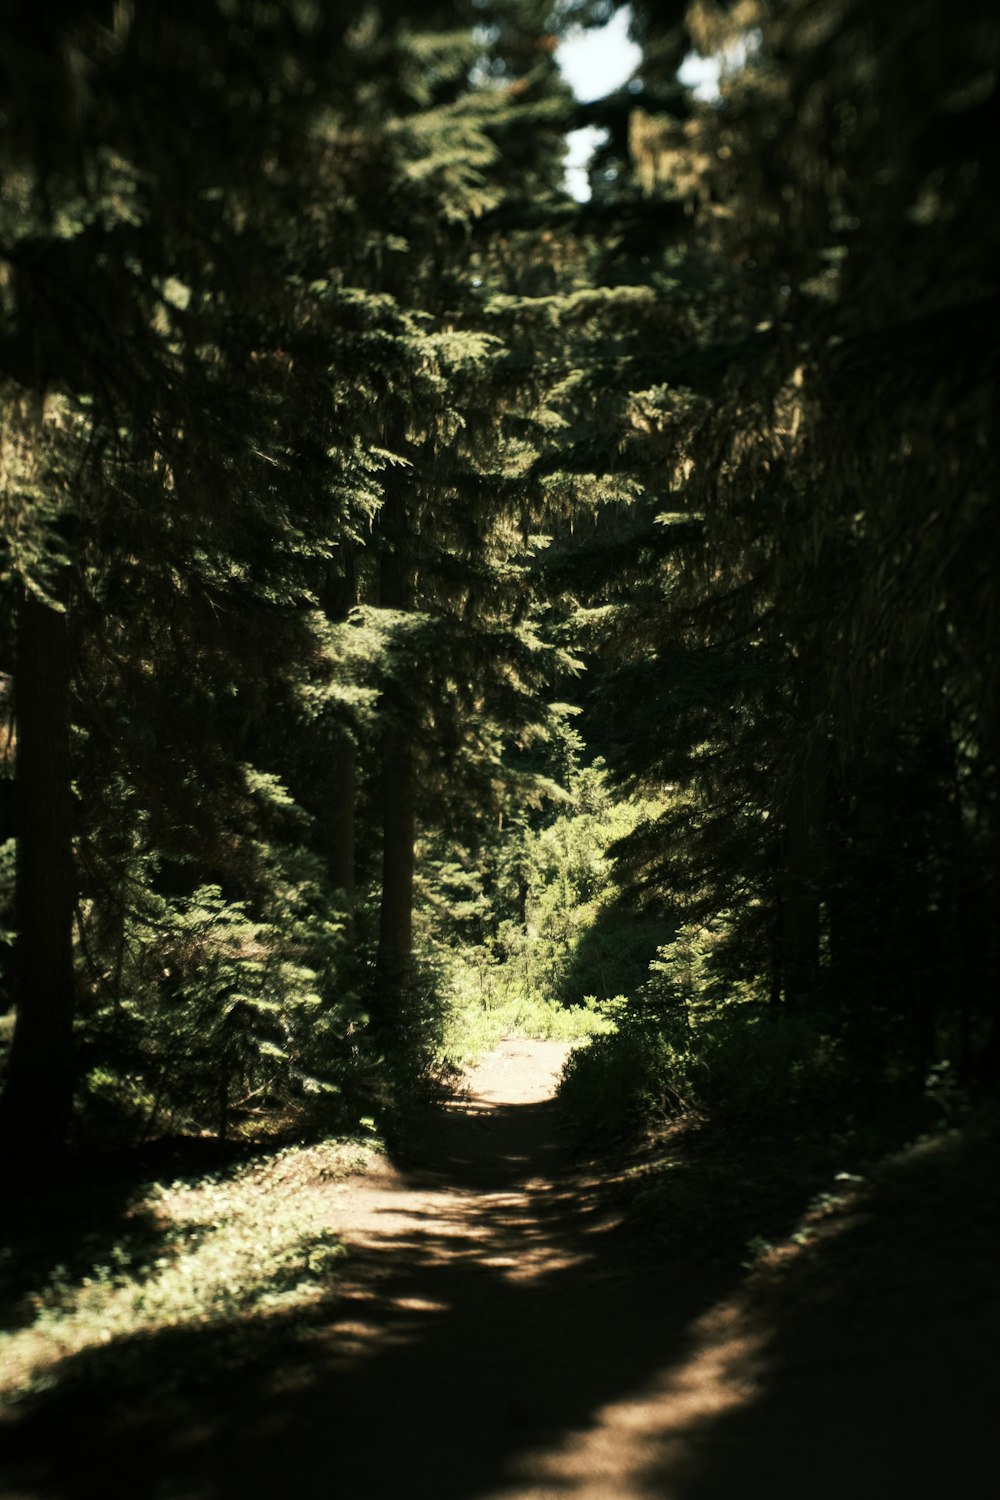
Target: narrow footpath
point(499, 1334)
point(495, 1337)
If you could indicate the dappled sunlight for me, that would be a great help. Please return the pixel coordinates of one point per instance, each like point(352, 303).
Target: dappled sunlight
point(214, 1249)
point(495, 1331)
point(655, 1428)
point(491, 1206)
point(498, 657)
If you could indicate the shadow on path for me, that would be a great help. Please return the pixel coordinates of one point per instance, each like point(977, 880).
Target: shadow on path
point(494, 1336)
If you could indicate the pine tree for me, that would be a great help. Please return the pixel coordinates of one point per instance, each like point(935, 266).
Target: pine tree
point(268, 485)
point(825, 462)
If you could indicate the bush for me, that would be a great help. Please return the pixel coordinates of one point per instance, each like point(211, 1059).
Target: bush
point(742, 1064)
point(622, 1083)
point(478, 1020)
point(217, 1018)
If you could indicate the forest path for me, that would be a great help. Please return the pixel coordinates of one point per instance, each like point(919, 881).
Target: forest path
point(496, 1339)
point(493, 1333)
point(490, 1337)
point(497, 1333)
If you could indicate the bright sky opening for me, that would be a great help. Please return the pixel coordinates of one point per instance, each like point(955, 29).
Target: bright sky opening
point(595, 63)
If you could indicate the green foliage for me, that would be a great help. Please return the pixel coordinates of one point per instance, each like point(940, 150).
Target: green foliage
point(808, 523)
point(623, 1083)
point(476, 1025)
point(222, 459)
point(556, 945)
point(345, 442)
point(7, 856)
point(211, 1016)
point(217, 1251)
point(689, 1042)
point(560, 877)
point(741, 1065)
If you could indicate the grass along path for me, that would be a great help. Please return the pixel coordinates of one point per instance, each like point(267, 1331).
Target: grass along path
point(194, 1252)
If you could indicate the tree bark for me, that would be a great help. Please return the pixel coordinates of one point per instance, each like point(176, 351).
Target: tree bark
point(39, 1086)
point(398, 797)
point(339, 811)
point(338, 823)
point(395, 939)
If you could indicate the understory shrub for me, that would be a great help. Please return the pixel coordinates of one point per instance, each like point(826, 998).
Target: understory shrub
point(745, 1064)
point(622, 1082)
point(217, 1018)
point(477, 1023)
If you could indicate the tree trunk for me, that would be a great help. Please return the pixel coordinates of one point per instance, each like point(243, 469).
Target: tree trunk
point(395, 938)
point(39, 1086)
point(398, 794)
point(7, 828)
point(338, 817)
point(338, 823)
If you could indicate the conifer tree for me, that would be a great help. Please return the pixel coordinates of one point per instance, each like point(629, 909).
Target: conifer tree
point(825, 466)
point(151, 289)
point(269, 484)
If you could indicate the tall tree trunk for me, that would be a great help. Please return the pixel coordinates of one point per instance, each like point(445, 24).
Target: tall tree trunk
point(395, 938)
point(7, 826)
point(987, 1064)
point(338, 823)
point(338, 818)
point(398, 797)
point(39, 1086)
point(839, 893)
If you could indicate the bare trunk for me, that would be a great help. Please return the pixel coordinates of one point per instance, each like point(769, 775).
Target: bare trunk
point(338, 823)
point(339, 811)
point(395, 943)
point(395, 939)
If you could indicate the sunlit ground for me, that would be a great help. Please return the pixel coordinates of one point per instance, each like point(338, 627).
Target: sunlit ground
point(228, 1246)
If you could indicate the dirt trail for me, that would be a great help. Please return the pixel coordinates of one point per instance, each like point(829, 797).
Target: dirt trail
point(497, 1337)
point(491, 1320)
point(489, 1341)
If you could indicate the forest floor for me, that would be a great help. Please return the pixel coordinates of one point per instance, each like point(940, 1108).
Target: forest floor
point(501, 1328)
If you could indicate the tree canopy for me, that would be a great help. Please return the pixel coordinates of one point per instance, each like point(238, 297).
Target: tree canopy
point(409, 571)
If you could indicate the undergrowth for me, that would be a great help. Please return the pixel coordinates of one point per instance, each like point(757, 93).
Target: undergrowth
point(741, 1066)
point(194, 1252)
point(476, 1024)
point(690, 1041)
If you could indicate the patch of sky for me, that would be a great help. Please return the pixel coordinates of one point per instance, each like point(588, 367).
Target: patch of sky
point(701, 75)
point(704, 75)
point(594, 63)
point(597, 61)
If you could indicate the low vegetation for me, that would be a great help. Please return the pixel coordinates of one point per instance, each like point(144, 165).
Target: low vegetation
point(214, 1250)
